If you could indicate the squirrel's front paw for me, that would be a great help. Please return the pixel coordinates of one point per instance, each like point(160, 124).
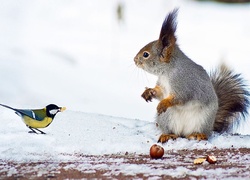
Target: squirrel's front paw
point(162, 106)
point(148, 94)
point(165, 104)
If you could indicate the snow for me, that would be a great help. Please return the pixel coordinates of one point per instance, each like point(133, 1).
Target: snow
point(74, 132)
point(76, 54)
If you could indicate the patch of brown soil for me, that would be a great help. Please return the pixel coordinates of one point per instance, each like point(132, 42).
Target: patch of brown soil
point(174, 164)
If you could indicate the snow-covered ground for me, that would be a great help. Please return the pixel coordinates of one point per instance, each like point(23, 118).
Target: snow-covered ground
point(75, 138)
point(77, 54)
point(73, 133)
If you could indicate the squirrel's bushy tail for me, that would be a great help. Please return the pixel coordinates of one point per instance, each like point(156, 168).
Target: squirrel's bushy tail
point(232, 96)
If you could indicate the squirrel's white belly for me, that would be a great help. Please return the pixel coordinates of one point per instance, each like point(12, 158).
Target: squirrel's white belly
point(184, 120)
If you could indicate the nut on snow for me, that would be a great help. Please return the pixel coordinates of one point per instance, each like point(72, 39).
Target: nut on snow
point(211, 159)
point(199, 160)
point(156, 151)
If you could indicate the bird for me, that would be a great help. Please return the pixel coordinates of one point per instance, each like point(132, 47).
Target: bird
point(37, 118)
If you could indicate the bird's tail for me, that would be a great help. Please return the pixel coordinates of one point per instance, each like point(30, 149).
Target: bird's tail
point(8, 107)
point(233, 98)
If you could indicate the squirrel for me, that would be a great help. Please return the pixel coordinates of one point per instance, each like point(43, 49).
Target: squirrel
point(192, 103)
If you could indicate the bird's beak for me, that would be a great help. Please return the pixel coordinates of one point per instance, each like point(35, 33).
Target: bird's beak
point(62, 109)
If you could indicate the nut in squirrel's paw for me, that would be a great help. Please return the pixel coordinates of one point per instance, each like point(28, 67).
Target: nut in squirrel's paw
point(156, 151)
point(148, 94)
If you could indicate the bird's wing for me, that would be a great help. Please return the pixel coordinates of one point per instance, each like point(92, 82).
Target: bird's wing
point(29, 113)
point(40, 114)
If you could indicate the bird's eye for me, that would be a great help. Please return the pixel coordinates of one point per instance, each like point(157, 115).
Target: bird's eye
point(145, 54)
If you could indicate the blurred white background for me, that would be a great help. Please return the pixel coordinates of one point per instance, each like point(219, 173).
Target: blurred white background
point(79, 54)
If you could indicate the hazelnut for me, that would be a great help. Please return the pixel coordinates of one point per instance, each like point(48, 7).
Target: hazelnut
point(211, 159)
point(156, 151)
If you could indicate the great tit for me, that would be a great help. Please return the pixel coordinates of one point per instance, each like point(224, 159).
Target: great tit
point(37, 118)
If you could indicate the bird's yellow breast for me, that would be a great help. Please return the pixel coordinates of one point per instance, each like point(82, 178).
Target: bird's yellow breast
point(35, 123)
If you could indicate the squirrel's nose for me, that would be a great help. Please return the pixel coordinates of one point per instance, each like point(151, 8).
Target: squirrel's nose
point(137, 61)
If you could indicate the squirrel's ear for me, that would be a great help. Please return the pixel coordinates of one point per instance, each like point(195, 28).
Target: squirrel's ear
point(167, 37)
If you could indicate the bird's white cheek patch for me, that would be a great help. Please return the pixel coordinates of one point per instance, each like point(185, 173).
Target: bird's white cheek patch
point(54, 111)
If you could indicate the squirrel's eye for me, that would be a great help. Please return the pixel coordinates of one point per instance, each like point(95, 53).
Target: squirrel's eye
point(145, 54)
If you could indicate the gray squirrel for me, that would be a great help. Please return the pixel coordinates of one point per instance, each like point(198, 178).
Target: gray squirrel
point(192, 103)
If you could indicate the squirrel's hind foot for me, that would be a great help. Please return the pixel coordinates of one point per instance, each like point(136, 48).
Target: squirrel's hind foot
point(165, 137)
point(197, 136)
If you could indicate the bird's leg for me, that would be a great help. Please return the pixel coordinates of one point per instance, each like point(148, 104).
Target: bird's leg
point(32, 130)
point(40, 131)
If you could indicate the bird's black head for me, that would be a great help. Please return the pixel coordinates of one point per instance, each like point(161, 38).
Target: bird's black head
point(52, 110)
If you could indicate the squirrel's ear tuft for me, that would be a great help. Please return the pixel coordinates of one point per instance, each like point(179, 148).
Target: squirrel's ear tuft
point(167, 34)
